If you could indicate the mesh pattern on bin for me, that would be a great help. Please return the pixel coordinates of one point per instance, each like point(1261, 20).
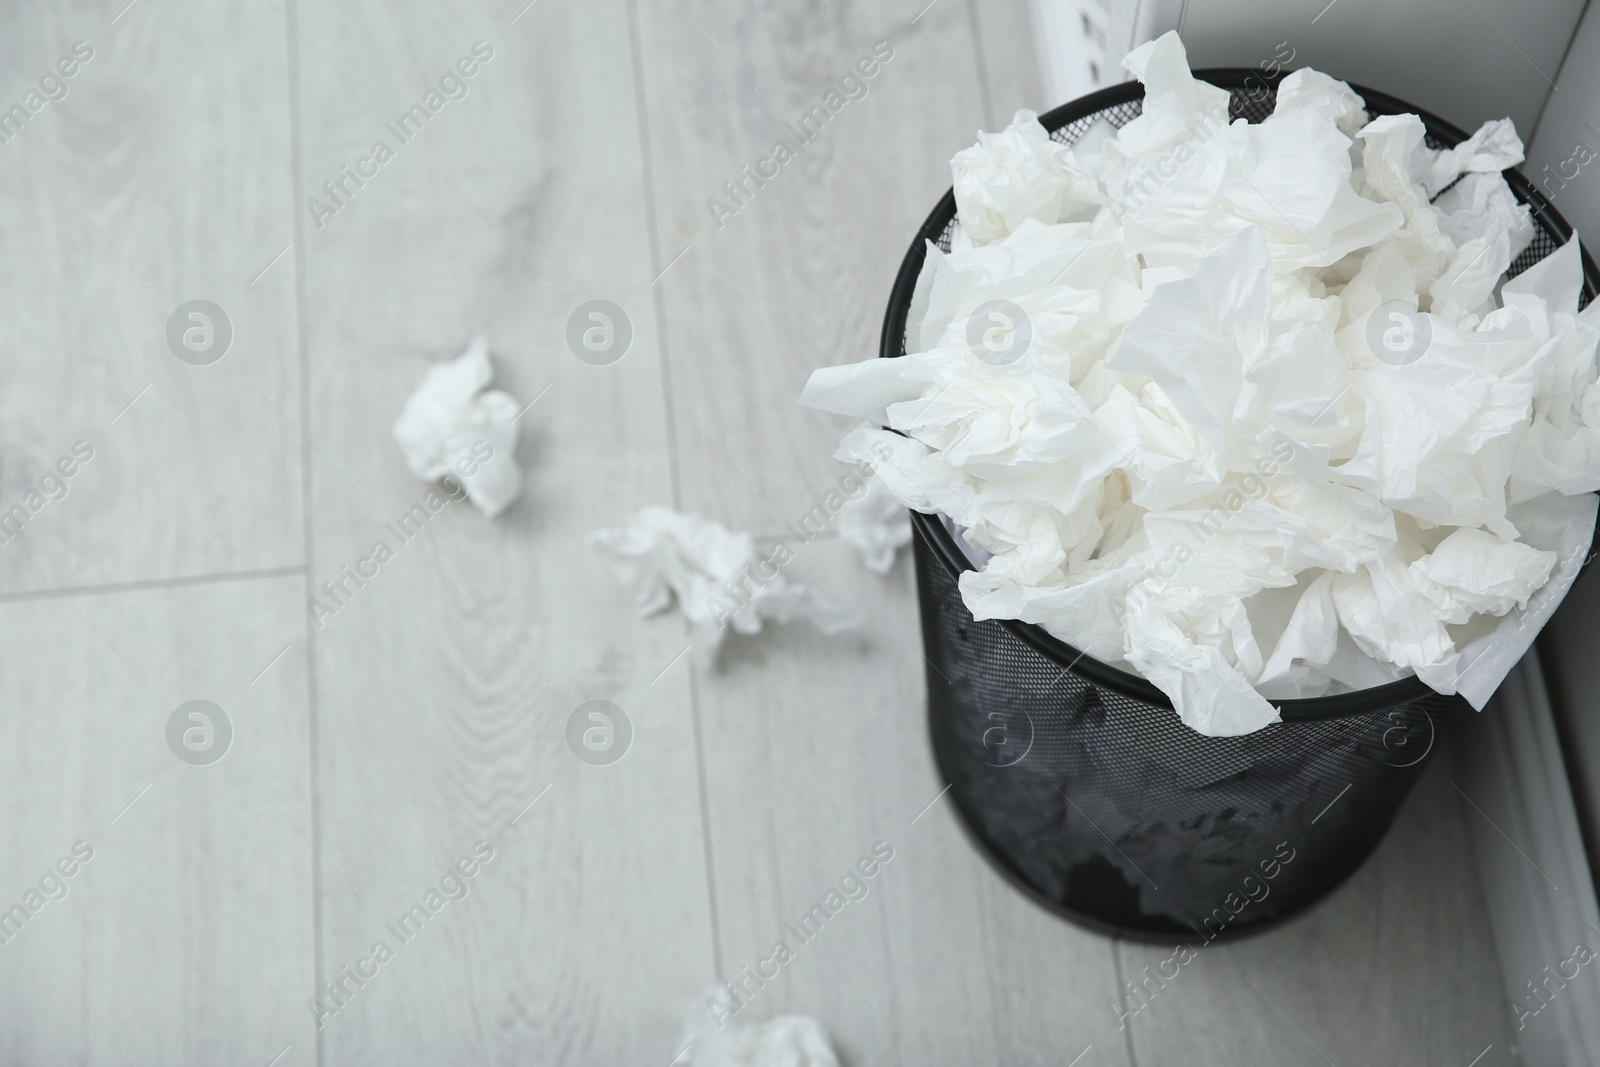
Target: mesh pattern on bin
point(1104, 807)
point(1109, 807)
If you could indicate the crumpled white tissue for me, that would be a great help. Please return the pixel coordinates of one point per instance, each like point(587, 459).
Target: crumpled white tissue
point(1016, 174)
point(455, 426)
point(1472, 572)
point(717, 577)
point(1249, 409)
point(1307, 89)
point(1382, 609)
point(1554, 523)
point(786, 1041)
point(1197, 647)
point(1492, 148)
point(1300, 665)
point(1288, 176)
point(876, 525)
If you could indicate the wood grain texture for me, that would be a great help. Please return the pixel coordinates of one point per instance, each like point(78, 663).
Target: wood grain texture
point(798, 277)
point(816, 749)
point(186, 938)
point(1395, 967)
point(159, 178)
point(446, 682)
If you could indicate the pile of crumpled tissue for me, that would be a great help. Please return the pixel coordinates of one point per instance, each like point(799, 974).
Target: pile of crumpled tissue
point(1172, 388)
point(876, 525)
point(718, 578)
point(786, 1041)
point(455, 426)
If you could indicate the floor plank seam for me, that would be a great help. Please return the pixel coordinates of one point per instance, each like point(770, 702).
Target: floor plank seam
point(142, 585)
point(302, 341)
point(1122, 1000)
point(647, 171)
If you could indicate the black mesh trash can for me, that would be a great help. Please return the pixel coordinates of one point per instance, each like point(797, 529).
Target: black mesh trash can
point(1078, 780)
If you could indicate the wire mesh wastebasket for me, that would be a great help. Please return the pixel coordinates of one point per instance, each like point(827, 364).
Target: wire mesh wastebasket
point(1078, 781)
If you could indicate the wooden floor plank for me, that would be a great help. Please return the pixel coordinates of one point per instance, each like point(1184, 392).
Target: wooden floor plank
point(796, 278)
point(136, 193)
point(445, 685)
point(186, 936)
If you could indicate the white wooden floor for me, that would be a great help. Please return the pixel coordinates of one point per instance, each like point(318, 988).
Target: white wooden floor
point(370, 754)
